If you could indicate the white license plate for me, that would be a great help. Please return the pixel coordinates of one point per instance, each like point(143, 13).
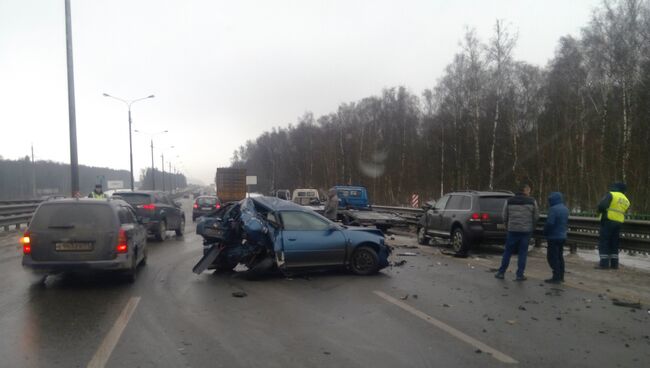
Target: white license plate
point(501, 226)
point(73, 247)
point(206, 208)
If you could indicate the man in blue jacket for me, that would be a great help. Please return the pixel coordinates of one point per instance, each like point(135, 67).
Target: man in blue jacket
point(555, 231)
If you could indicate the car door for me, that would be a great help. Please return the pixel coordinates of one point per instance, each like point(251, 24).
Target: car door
point(435, 216)
point(456, 207)
point(165, 211)
point(310, 240)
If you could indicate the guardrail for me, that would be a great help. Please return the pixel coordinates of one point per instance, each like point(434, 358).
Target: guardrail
point(17, 212)
point(583, 231)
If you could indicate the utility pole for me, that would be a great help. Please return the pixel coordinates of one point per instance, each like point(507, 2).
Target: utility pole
point(33, 174)
point(171, 178)
point(153, 170)
point(74, 163)
point(162, 158)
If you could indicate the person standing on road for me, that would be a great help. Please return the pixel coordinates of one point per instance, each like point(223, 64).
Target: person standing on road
point(332, 205)
point(520, 216)
point(98, 193)
point(555, 230)
point(612, 209)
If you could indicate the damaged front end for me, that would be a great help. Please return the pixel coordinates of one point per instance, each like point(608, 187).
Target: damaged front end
point(237, 234)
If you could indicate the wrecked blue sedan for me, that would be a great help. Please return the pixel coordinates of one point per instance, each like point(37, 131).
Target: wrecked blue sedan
point(266, 234)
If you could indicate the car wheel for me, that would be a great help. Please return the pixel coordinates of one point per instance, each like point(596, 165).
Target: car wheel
point(131, 274)
point(144, 256)
point(162, 231)
point(423, 238)
point(181, 228)
point(459, 241)
point(365, 261)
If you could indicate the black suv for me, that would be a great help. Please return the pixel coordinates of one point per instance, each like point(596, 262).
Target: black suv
point(157, 211)
point(465, 217)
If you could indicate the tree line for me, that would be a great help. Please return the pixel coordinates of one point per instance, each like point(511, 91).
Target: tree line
point(22, 179)
point(491, 121)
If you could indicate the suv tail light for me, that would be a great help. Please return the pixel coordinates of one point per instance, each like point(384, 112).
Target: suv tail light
point(26, 241)
point(479, 217)
point(196, 205)
point(122, 246)
point(217, 206)
point(149, 206)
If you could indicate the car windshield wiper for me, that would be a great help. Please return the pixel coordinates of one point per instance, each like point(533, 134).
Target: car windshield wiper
point(61, 227)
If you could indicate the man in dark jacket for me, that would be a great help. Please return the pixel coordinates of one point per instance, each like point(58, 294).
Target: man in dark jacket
point(612, 209)
point(555, 231)
point(520, 215)
point(332, 205)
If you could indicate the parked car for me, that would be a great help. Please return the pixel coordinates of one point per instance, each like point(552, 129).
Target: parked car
point(267, 233)
point(466, 217)
point(204, 205)
point(306, 197)
point(283, 194)
point(84, 234)
point(157, 211)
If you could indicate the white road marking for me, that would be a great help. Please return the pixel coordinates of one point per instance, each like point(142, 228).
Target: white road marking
point(448, 329)
point(110, 341)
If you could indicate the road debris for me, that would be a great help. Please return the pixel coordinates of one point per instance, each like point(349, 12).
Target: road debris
point(621, 303)
point(405, 297)
point(446, 305)
point(511, 321)
point(407, 254)
point(239, 294)
point(522, 308)
point(399, 263)
point(478, 351)
point(415, 296)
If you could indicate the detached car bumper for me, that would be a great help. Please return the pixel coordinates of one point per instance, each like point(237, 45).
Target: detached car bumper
point(120, 263)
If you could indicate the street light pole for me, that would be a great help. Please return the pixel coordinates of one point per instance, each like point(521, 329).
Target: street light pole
point(128, 104)
point(153, 169)
point(72, 116)
point(162, 158)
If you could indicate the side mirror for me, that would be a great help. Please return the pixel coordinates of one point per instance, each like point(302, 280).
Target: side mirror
point(177, 204)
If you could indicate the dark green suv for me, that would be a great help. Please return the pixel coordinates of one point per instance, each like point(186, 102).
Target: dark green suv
point(466, 218)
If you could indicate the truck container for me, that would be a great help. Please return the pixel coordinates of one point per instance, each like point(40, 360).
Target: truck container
point(231, 184)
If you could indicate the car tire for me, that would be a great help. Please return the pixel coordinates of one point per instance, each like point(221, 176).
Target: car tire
point(162, 231)
point(364, 261)
point(132, 273)
point(459, 241)
point(143, 262)
point(423, 238)
point(181, 227)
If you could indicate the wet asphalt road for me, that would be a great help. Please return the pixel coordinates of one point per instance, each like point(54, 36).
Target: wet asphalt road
point(180, 319)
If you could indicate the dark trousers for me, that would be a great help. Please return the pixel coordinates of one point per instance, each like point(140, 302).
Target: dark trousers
point(519, 241)
point(608, 243)
point(555, 257)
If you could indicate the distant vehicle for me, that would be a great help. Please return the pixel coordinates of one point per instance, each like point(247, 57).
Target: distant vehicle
point(355, 209)
point(267, 233)
point(283, 194)
point(466, 217)
point(352, 197)
point(231, 184)
point(84, 235)
point(306, 197)
point(157, 211)
point(205, 205)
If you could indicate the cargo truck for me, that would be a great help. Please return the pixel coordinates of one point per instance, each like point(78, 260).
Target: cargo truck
point(231, 184)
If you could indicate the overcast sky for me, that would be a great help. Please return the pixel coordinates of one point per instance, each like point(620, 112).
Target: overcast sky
point(225, 71)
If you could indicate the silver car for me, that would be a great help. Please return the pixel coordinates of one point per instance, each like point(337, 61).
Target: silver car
point(85, 235)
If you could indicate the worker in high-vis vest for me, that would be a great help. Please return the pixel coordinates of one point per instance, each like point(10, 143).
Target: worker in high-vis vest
point(98, 193)
point(612, 209)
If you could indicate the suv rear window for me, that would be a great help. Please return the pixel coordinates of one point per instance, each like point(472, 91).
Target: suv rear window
point(73, 215)
point(492, 204)
point(206, 201)
point(135, 199)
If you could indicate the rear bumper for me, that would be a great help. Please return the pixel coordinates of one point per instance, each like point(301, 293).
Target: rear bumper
point(120, 263)
point(478, 234)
